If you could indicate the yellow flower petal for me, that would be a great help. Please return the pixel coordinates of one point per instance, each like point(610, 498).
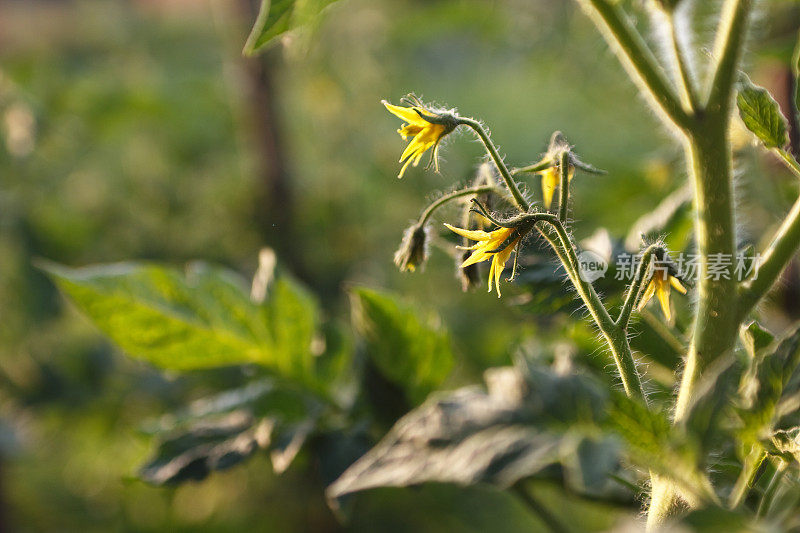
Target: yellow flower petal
point(499, 263)
point(476, 257)
point(648, 293)
point(663, 298)
point(675, 282)
point(405, 166)
point(491, 276)
point(549, 184)
point(475, 235)
point(408, 114)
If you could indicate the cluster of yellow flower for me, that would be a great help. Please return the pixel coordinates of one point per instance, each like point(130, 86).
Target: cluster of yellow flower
point(427, 127)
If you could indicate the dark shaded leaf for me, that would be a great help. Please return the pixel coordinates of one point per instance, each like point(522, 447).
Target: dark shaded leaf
point(222, 430)
point(208, 446)
point(286, 443)
point(716, 519)
point(710, 398)
point(499, 436)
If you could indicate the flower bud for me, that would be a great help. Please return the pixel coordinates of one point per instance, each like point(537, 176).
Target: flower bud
point(413, 249)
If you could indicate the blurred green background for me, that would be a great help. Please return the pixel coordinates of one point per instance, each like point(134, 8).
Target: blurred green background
point(136, 130)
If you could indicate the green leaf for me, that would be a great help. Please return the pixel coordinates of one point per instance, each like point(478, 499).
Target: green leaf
point(764, 384)
point(276, 17)
point(761, 114)
point(755, 339)
point(652, 442)
point(410, 348)
point(787, 443)
point(201, 319)
point(705, 411)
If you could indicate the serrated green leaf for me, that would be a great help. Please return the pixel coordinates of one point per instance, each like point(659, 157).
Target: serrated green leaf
point(410, 348)
point(764, 384)
point(761, 114)
point(276, 17)
point(654, 443)
point(200, 319)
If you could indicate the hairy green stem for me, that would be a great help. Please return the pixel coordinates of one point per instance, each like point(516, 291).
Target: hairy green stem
point(716, 318)
point(780, 250)
point(519, 200)
point(772, 489)
point(709, 157)
point(563, 190)
point(536, 167)
point(750, 467)
point(633, 291)
point(727, 53)
point(615, 337)
point(452, 196)
point(685, 81)
point(637, 57)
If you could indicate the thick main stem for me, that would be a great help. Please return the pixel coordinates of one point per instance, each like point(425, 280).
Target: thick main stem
point(715, 326)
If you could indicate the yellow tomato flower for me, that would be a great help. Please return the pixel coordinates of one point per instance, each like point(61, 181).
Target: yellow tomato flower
point(550, 181)
point(426, 128)
point(488, 246)
point(659, 284)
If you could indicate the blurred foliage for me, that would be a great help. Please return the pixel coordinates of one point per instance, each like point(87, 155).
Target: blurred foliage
point(128, 132)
